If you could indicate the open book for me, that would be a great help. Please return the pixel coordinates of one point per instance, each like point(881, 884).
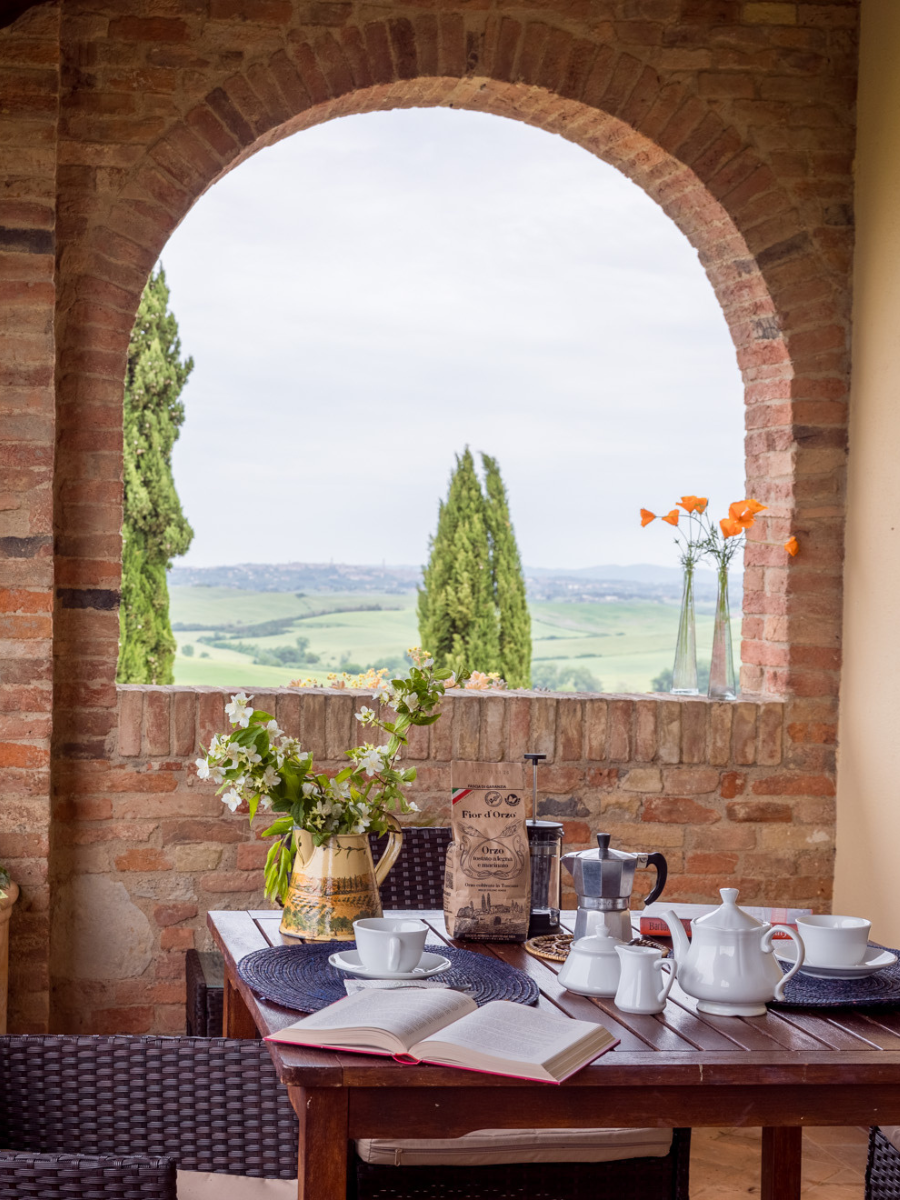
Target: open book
point(448, 1028)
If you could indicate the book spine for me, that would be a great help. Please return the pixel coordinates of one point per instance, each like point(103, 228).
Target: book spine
point(656, 927)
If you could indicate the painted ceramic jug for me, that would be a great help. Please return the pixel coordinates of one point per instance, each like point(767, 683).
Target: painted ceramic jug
point(335, 884)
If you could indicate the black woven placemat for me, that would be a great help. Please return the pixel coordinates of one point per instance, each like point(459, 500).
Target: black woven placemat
point(302, 978)
point(881, 990)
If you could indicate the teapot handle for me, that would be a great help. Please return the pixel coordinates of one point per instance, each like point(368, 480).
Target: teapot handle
point(768, 948)
point(656, 860)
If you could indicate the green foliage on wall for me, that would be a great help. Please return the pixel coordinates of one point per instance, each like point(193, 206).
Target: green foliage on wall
point(154, 529)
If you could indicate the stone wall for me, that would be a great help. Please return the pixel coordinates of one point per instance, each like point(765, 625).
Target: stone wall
point(736, 116)
point(738, 794)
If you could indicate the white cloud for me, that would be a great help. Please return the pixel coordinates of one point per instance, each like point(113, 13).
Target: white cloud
point(367, 297)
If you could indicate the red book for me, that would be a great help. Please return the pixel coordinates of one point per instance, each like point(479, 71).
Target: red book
point(448, 1029)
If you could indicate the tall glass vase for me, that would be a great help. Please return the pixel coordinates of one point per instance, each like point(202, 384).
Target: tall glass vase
point(721, 668)
point(684, 673)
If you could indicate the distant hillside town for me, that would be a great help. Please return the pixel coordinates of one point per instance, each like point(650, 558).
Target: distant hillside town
point(588, 585)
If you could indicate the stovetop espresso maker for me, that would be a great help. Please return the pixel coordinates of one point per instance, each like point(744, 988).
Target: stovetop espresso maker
point(604, 879)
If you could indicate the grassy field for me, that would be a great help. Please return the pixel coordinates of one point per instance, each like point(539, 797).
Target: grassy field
point(622, 645)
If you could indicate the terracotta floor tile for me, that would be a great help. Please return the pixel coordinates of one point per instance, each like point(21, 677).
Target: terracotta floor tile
point(725, 1164)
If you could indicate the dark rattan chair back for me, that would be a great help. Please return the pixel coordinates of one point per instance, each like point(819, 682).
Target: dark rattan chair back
point(212, 1104)
point(416, 880)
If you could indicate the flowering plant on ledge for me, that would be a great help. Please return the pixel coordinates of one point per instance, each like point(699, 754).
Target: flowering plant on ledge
point(257, 763)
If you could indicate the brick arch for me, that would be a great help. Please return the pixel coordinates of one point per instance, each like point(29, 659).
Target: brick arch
point(776, 285)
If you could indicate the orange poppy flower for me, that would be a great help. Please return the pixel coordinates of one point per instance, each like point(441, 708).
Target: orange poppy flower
point(753, 507)
point(692, 504)
point(792, 546)
point(672, 517)
point(731, 527)
point(646, 517)
point(739, 514)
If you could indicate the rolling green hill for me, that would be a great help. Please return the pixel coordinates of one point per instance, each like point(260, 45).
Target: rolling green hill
point(622, 644)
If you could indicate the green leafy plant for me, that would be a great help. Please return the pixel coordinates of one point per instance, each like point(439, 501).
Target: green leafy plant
point(259, 765)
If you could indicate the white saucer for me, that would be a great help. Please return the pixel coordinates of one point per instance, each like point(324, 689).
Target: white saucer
point(875, 960)
point(349, 960)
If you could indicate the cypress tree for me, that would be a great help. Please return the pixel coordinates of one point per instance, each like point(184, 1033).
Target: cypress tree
point(508, 582)
point(457, 615)
point(154, 528)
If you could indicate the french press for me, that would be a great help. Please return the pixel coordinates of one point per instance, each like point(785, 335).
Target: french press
point(545, 848)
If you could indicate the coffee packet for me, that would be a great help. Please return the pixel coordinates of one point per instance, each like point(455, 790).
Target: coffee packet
point(487, 884)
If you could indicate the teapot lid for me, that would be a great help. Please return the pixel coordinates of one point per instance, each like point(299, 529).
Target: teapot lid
point(728, 915)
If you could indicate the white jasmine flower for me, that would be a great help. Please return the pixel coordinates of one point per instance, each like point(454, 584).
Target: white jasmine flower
point(232, 798)
point(371, 759)
point(239, 712)
point(324, 807)
point(340, 790)
point(252, 756)
point(272, 730)
point(270, 777)
point(202, 768)
point(385, 752)
point(307, 789)
point(265, 801)
point(411, 806)
point(383, 691)
point(412, 702)
point(365, 715)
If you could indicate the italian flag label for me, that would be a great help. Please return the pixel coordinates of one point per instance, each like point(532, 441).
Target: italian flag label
point(459, 794)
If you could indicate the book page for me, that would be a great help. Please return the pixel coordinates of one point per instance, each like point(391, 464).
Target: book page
point(402, 1018)
point(512, 1033)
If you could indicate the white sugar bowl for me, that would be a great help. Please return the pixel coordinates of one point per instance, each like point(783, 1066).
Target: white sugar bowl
point(592, 967)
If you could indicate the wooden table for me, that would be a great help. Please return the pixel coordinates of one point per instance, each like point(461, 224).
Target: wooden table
point(681, 1068)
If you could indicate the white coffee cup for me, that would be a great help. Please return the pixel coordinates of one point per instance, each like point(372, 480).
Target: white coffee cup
point(834, 941)
point(393, 945)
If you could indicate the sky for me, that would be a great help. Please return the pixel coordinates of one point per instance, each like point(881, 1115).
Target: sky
point(369, 296)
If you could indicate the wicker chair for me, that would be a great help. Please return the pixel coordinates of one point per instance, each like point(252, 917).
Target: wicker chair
point(115, 1116)
point(883, 1167)
point(416, 881)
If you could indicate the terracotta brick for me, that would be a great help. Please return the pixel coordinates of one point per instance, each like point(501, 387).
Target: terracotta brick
point(756, 810)
point(570, 730)
point(645, 740)
point(743, 734)
point(492, 746)
point(543, 726)
point(693, 732)
point(680, 811)
point(157, 718)
point(467, 730)
point(619, 730)
point(176, 939)
point(173, 914)
point(693, 780)
point(669, 731)
point(144, 859)
point(596, 721)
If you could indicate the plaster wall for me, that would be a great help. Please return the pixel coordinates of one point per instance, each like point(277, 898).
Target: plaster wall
point(869, 769)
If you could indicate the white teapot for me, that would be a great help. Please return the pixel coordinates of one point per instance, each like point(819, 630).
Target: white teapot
point(729, 965)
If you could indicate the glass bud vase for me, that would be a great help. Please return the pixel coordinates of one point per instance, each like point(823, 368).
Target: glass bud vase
point(684, 673)
point(721, 668)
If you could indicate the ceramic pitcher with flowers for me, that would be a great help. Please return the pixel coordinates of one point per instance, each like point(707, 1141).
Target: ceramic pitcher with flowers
point(335, 884)
point(320, 864)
